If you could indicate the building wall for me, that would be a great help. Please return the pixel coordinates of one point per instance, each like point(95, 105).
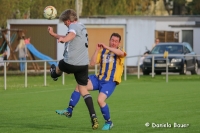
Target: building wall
point(137, 32)
point(101, 34)
point(140, 34)
point(97, 34)
point(62, 30)
point(37, 31)
point(165, 26)
point(196, 35)
point(39, 38)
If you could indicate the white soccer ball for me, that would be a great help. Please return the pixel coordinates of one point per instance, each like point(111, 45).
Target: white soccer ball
point(50, 12)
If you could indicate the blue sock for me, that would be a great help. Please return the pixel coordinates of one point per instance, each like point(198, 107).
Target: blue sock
point(73, 100)
point(105, 112)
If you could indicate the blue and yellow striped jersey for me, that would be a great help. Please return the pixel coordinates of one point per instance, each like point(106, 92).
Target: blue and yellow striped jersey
point(111, 66)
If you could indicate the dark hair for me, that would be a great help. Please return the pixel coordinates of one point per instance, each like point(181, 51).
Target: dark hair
point(116, 35)
point(147, 52)
point(69, 14)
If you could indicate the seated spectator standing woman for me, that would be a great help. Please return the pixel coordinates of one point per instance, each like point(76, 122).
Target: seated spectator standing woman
point(142, 58)
point(22, 53)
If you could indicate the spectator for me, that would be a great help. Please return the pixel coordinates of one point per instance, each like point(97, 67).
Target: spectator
point(142, 59)
point(22, 53)
point(156, 42)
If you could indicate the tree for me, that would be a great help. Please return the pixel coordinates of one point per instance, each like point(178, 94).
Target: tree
point(114, 7)
point(179, 7)
point(182, 7)
point(38, 6)
point(194, 7)
point(25, 9)
point(6, 9)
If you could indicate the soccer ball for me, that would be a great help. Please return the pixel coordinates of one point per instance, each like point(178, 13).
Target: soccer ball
point(50, 12)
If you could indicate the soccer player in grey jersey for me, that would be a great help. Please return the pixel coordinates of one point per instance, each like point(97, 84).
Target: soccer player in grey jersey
point(76, 51)
point(75, 60)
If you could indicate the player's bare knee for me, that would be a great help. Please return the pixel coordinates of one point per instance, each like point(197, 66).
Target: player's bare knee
point(83, 90)
point(76, 89)
point(101, 102)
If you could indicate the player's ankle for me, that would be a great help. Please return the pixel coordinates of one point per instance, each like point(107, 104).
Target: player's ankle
point(70, 109)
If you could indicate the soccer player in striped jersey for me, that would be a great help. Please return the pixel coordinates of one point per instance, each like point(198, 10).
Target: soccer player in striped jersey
point(111, 60)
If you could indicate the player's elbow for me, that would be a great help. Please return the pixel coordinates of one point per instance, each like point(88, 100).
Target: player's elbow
point(121, 54)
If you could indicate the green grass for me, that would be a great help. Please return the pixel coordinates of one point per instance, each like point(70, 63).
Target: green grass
point(134, 102)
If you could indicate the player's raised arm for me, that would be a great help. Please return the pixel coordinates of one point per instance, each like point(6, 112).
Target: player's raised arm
point(118, 52)
point(52, 33)
point(93, 60)
point(67, 38)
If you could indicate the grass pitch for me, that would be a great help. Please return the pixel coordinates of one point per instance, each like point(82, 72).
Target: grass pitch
point(134, 104)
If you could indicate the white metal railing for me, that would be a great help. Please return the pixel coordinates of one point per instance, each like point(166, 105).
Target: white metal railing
point(96, 68)
point(26, 72)
point(153, 58)
point(28, 61)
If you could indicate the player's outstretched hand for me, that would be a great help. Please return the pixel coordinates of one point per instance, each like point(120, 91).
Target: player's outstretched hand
point(102, 45)
point(98, 47)
point(50, 30)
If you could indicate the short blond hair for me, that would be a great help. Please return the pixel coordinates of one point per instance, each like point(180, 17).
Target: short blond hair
point(68, 14)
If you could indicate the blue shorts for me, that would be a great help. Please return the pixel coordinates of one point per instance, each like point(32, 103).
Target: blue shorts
point(106, 87)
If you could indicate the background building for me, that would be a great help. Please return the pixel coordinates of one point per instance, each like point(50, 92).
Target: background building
point(137, 32)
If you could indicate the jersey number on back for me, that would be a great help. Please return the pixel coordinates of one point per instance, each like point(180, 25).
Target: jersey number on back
point(86, 44)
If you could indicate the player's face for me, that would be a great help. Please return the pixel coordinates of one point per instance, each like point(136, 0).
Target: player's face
point(67, 23)
point(114, 42)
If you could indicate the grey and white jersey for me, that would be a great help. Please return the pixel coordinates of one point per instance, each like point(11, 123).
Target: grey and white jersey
point(76, 50)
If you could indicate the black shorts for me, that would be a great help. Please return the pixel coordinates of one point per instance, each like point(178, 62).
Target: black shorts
point(80, 72)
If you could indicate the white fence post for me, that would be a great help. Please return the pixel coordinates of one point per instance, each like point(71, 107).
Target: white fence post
point(138, 74)
point(125, 70)
point(152, 66)
point(5, 75)
point(167, 69)
point(45, 73)
point(25, 74)
point(63, 78)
